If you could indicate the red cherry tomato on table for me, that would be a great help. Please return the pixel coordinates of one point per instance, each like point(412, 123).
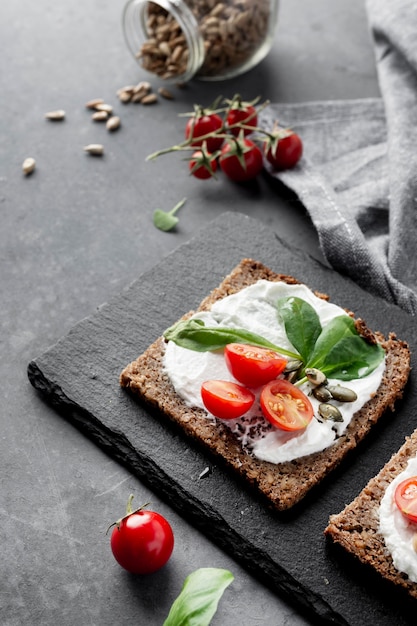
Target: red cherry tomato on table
point(285, 153)
point(406, 498)
point(226, 400)
point(202, 166)
point(253, 366)
point(241, 160)
point(285, 406)
point(142, 541)
point(246, 115)
point(201, 125)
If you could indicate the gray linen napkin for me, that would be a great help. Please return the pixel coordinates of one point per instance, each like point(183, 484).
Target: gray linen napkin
point(358, 176)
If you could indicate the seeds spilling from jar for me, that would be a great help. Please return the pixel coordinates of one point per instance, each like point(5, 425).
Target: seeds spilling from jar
point(232, 31)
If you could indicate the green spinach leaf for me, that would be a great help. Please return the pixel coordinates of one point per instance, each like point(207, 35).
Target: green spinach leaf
point(195, 335)
point(301, 323)
point(199, 598)
point(340, 352)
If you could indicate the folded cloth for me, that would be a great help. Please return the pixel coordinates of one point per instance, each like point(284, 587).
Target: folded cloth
point(358, 176)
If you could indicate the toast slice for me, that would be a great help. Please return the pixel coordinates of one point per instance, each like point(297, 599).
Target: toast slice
point(356, 528)
point(283, 484)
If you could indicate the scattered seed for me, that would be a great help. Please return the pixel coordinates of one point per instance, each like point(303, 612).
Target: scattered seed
point(330, 412)
point(95, 149)
point(28, 166)
point(321, 393)
point(100, 116)
point(92, 104)
point(165, 93)
point(342, 394)
point(125, 96)
point(315, 376)
point(104, 107)
point(55, 116)
point(113, 123)
point(151, 98)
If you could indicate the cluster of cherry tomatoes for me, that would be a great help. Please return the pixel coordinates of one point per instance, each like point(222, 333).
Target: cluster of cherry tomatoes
point(283, 404)
point(229, 139)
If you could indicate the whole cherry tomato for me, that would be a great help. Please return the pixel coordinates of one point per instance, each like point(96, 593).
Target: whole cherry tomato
point(244, 114)
point(142, 541)
point(202, 165)
point(253, 366)
point(225, 399)
point(286, 406)
point(240, 159)
point(406, 498)
point(205, 125)
point(285, 152)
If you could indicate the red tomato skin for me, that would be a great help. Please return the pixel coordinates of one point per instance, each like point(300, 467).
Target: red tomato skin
point(200, 126)
point(240, 116)
point(226, 400)
point(406, 498)
point(293, 418)
point(233, 169)
point(143, 543)
point(202, 173)
point(288, 152)
point(253, 366)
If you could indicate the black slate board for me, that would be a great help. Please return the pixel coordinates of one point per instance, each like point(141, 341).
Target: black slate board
point(79, 375)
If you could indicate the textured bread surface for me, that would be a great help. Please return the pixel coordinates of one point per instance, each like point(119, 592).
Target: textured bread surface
point(283, 484)
point(356, 527)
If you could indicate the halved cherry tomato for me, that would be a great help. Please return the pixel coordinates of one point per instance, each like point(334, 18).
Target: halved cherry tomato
point(225, 399)
point(253, 366)
point(406, 498)
point(286, 406)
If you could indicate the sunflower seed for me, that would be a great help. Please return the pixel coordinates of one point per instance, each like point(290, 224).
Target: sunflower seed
point(104, 107)
point(55, 116)
point(96, 149)
point(151, 98)
point(28, 166)
point(100, 116)
point(113, 123)
point(165, 93)
point(92, 104)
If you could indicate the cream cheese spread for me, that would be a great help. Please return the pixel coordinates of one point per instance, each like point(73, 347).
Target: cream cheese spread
point(254, 309)
point(397, 531)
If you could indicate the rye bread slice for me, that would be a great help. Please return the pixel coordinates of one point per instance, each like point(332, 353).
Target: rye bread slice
point(283, 484)
point(356, 527)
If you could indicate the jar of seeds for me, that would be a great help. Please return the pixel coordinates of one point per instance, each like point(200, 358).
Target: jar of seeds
point(211, 40)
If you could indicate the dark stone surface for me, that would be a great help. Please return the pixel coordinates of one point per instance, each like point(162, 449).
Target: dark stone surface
point(72, 236)
point(80, 376)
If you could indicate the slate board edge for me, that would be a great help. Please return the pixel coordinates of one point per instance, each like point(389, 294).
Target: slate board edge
point(210, 521)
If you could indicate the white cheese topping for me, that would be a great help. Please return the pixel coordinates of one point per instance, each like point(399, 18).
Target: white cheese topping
point(397, 531)
point(254, 309)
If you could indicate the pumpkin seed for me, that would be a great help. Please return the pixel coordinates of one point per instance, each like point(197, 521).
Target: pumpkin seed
point(315, 376)
point(96, 149)
point(28, 166)
point(330, 412)
point(55, 116)
point(342, 394)
point(321, 393)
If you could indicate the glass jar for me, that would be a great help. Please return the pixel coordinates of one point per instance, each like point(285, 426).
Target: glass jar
point(211, 40)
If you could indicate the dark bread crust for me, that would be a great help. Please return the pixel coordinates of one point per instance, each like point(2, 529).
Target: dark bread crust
point(282, 484)
point(356, 527)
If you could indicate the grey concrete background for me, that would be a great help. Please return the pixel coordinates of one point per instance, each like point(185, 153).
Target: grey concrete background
point(77, 232)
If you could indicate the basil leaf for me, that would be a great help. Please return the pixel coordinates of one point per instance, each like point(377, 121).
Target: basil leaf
point(194, 335)
point(200, 595)
point(342, 353)
point(302, 324)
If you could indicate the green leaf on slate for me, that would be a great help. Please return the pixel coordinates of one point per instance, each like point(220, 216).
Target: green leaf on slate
point(167, 220)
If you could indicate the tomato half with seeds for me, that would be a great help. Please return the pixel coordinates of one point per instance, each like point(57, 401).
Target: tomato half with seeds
point(406, 498)
point(226, 400)
point(253, 366)
point(286, 406)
